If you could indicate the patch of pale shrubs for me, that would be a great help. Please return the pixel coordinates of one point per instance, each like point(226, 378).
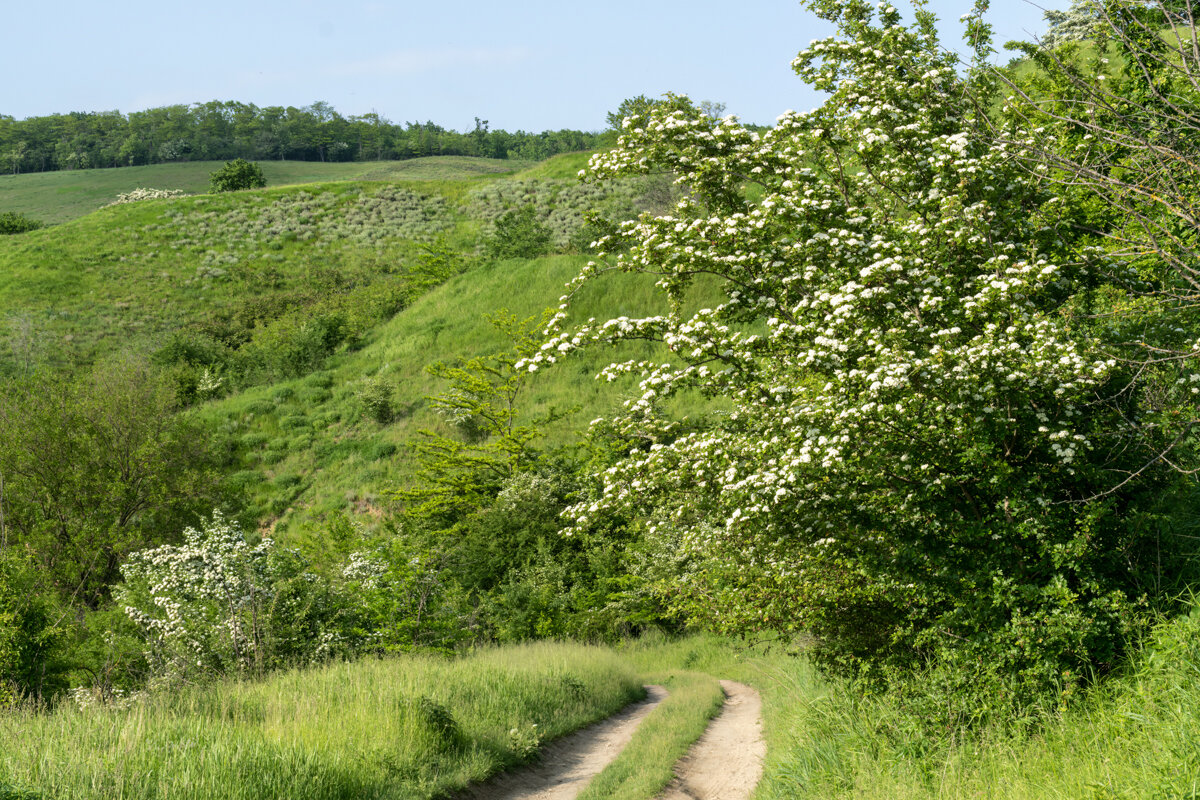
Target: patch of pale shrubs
point(146, 194)
point(368, 219)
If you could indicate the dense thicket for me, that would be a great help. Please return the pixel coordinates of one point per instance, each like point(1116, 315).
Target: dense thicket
point(934, 448)
point(225, 130)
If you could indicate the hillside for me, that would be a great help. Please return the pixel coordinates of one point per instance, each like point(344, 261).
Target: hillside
point(901, 394)
point(295, 298)
point(55, 197)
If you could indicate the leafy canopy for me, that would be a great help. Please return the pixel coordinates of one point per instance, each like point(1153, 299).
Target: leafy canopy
point(237, 175)
point(917, 459)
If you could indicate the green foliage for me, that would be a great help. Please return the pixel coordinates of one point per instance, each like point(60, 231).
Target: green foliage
point(12, 222)
point(96, 468)
point(915, 468)
point(33, 638)
point(223, 130)
point(463, 471)
point(377, 396)
point(519, 234)
point(630, 107)
point(237, 175)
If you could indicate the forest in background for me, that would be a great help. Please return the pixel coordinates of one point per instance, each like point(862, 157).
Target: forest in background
point(222, 130)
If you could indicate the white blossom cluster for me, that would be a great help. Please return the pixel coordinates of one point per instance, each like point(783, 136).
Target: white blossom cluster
point(198, 603)
point(893, 328)
point(365, 568)
point(146, 194)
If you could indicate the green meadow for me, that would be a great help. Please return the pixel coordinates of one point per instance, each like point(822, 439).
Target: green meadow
point(55, 197)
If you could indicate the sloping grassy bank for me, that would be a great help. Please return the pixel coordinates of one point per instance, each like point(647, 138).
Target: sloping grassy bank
point(410, 727)
point(1137, 735)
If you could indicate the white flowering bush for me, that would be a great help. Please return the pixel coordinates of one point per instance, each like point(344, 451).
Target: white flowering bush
point(920, 440)
point(217, 603)
point(138, 195)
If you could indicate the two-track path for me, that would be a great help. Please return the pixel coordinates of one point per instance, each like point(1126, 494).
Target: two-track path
point(724, 764)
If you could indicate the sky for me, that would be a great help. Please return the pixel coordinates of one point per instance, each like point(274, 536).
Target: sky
point(530, 65)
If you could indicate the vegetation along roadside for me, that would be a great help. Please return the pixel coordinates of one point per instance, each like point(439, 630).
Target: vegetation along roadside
point(898, 396)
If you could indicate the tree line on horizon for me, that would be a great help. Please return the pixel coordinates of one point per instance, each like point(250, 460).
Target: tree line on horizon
point(223, 130)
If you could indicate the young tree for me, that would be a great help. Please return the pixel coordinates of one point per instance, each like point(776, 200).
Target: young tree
point(237, 175)
point(461, 472)
point(916, 430)
point(95, 469)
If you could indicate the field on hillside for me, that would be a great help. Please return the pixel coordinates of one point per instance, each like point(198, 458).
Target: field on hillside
point(54, 197)
point(294, 301)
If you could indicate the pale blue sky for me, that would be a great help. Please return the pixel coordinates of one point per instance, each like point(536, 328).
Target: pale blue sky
point(531, 65)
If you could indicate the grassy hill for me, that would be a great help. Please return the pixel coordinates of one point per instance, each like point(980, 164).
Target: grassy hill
point(295, 298)
point(55, 197)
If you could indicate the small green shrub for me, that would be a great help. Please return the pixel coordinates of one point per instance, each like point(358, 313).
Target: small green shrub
point(237, 175)
point(239, 481)
point(254, 440)
point(381, 450)
point(314, 396)
point(294, 422)
point(11, 223)
point(519, 234)
point(287, 479)
point(378, 399)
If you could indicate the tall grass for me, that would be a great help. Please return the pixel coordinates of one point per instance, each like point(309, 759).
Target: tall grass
point(1136, 736)
point(411, 727)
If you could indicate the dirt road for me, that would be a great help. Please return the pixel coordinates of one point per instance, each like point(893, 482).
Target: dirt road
point(569, 763)
point(724, 764)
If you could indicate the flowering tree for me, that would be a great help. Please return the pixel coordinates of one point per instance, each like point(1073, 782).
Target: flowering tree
point(217, 603)
point(915, 429)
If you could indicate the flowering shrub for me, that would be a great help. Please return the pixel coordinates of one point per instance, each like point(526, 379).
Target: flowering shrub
point(915, 464)
point(146, 194)
point(216, 604)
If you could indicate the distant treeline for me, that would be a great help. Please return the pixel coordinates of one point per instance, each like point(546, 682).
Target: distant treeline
point(224, 130)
